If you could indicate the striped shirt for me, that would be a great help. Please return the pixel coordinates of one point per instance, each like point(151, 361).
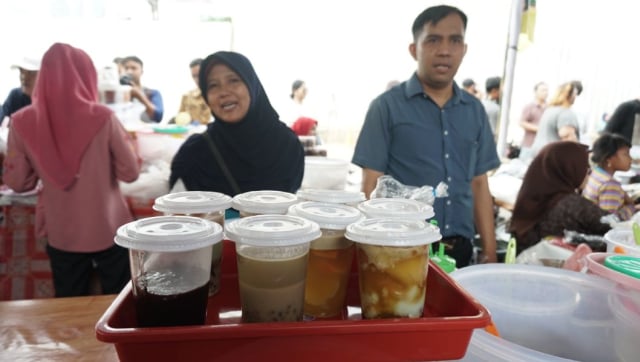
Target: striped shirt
point(606, 192)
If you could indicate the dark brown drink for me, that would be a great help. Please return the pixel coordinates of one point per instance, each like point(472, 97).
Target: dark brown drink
point(161, 302)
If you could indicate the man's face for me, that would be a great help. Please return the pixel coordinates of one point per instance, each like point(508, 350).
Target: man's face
point(195, 71)
point(439, 50)
point(28, 80)
point(134, 70)
point(542, 92)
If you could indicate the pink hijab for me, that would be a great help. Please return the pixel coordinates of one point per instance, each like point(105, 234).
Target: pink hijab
point(64, 115)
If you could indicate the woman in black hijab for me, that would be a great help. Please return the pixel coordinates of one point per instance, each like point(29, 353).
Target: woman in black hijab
point(259, 151)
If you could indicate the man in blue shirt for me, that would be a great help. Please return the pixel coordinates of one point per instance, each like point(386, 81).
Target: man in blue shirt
point(151, 99)
point(21, 97)
point(428, 130)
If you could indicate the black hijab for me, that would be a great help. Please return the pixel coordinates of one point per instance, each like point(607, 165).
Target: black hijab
point(261, 152)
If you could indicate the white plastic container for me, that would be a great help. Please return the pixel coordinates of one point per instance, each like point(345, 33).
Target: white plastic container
point(263, 202)
point(351, 198)
point(549, 314)
point(325, 173)
point(396, 208)
point(621, 241)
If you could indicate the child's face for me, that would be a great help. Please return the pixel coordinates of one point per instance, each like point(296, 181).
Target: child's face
point(621, 160)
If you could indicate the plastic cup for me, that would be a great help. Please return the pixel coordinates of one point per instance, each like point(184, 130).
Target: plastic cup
point(203, 204)
point(272, 253)
point(396, 208)
point(330, 257)
point(392, 256)
point(170, 259)
point(351, 198)
point(264, 202)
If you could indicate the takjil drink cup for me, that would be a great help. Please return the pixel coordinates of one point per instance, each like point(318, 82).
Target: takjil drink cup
point(204, 204)
point(272, 253)
point(170, 259)
point(392, 256)
point(263, 202)
point(396, 208)
point(351, 198)
point(330, 257)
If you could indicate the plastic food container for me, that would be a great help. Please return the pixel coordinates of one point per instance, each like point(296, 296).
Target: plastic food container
point(351, 198)
point(443, 332)
point(596, 265)
point(330, 257)
point(263, 202)
point(396, 208)
point(325, 173)
point(203, 204)
point(549, 314)
point(621, 241)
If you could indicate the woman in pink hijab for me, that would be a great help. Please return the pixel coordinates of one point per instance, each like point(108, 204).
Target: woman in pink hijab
point(79, 150)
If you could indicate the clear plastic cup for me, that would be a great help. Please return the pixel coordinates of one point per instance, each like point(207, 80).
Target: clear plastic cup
point(330, 257)
point(396, 208)
point(351, 198)
point(204, 204)
point(392, 256)
point(263, 202)
point(272, 253)
point(170, 259)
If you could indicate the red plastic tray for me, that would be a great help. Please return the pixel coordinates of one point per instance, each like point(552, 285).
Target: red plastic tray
point(444, 331)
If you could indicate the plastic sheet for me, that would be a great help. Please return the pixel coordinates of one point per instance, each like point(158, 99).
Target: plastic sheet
point(389, 187)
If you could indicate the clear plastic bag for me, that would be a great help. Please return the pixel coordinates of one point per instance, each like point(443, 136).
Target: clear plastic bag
point(389, 187)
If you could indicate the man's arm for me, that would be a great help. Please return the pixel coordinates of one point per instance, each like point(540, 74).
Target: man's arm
point(483, 217)
point(524, 120)
point(369, 180)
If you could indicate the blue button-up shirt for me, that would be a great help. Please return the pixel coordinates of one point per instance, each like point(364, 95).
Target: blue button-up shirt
point(408, 136)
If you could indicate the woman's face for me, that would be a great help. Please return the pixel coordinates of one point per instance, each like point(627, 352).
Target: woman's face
point(227, 94)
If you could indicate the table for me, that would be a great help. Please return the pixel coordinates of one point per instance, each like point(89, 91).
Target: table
point(60, 329)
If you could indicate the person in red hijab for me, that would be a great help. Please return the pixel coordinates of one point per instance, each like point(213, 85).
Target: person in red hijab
point(305, 126)
point(78, 150)
point(550, 201)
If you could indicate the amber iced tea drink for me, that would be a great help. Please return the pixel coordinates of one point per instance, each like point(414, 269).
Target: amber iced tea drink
point(330, 257)
point(203, 204)
point(272, 253)
point(392, 257)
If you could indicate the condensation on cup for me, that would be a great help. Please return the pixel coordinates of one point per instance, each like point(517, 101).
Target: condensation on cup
point(392, 257)
point(203, 204)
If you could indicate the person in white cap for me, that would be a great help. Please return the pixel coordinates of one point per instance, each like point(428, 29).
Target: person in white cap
point(21, 97)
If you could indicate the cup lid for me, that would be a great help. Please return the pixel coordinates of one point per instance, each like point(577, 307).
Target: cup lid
point(332, 196)
point(168, 234)
point(393, 232)
point(396, 208)
point(264, 202)
point(272, 230)
point(192, 202)
point(327, 215)
point(625, 264)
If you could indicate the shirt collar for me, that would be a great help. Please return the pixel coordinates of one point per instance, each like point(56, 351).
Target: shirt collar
point(413, 88)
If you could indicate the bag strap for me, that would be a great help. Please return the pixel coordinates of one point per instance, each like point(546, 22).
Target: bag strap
point(222, 164)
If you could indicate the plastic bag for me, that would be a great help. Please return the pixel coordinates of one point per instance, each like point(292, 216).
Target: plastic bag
point(544, 253)
point(389, 187)
point(152, 182)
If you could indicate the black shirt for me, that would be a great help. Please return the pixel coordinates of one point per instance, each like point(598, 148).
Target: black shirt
point(623, 119)
point(15, 101)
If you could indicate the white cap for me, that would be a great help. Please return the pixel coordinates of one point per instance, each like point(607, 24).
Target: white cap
point(264, 202)
point(192, 202)
point(393, 232)
point(328, 216)
point(400, 208)
point(27, 63)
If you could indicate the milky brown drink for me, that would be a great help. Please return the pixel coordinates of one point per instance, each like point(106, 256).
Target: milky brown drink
point(206, 205)
point(272, 252)
point(265, 284)
point(392, 257)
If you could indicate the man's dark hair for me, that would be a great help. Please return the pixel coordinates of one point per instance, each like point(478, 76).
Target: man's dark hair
point(577, 85)
point(492, 83)
point(433, 15)
point(132, 58)
point(606, 146)
point(535, 87)
point(468, 83)
point(195, 62)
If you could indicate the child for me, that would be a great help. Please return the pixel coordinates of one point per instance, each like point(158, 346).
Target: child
point(610, 153)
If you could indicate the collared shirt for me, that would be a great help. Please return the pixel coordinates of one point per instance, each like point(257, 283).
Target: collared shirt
point(531, 113)
point(605, 191)
point(14, 102)
point(156, 98)
point(194, 104)
point(408, 136)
